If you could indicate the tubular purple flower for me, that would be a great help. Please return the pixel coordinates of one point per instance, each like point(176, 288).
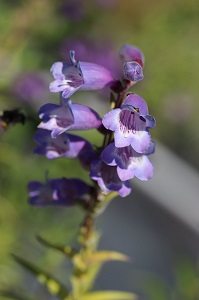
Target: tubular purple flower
point(129, 163)
point(65, 145)
point(62, 191)
point(70, 77)
point(130, 124)
point(67, 116)
point(57, 118)
point(107, 178)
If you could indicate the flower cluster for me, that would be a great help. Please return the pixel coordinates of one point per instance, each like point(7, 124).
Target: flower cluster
point(127, 140)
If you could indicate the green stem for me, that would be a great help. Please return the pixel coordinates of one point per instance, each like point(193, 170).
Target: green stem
point(86, 272)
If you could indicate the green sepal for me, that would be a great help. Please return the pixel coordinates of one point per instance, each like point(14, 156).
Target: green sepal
point(53, 285)
point(109, 295)
point(103, 256)
point(13, 295)
point(67, 250)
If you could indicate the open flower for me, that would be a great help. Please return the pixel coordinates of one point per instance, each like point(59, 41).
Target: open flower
point(129, 163)
point(59, 118)
point(62, 191)
point(107, 178)
point(72, 76)
point(65, 145)
point(130, 124)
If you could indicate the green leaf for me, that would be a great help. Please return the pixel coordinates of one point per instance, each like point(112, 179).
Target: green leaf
point(64, 249)
point(103, 256)
point(52, 284)
point(109, 295)
point(13, 295)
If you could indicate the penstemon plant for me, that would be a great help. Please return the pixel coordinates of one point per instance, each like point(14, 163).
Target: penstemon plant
point(123, 154)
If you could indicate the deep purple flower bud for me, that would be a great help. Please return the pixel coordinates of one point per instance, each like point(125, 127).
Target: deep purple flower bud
point(70, 77)
point(59, 118)
point(129, 163)
point(65, 145)
point(133, 71)
point(107, 178)
point(131, 53)
point(62, 191)
point(130, 124)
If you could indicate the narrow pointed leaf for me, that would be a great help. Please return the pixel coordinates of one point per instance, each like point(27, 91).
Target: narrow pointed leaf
point(52, 284)
point(109, 295)
point(13, 295)
point(64, 249)
point(103, 256)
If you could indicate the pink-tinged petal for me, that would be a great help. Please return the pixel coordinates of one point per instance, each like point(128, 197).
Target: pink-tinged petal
point(125, 189)
point(131, 53)
point(84, 118)
point(125, 174)
point(110, 120)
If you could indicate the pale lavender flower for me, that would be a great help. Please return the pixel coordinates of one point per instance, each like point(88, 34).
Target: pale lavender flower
point(70, 77)
point(130, 124)
point(59, 118)
point(107, 178)
point(129, 163)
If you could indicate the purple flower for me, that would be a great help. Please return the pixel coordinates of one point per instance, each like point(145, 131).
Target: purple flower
point(99, 51)
point(107, 178)
point(130, 124)
point(70, 77)
point(65, 145)
point(57, 192)
point(131, 53)
point(59, 118)
point(129, 163)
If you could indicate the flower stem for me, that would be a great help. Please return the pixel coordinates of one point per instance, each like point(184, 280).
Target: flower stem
point(86, 268)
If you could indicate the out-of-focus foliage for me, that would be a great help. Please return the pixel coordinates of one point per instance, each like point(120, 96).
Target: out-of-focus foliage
point(34, 34)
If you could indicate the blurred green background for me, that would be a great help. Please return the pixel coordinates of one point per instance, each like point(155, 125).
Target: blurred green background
point(36, 33)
